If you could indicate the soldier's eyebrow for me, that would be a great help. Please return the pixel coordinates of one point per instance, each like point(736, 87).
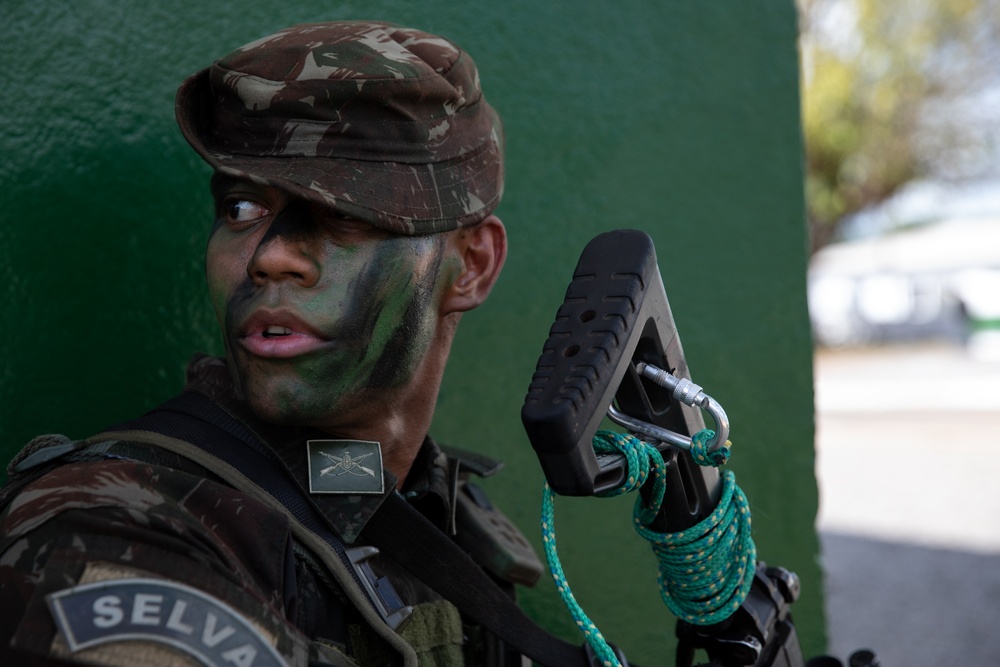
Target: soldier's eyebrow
point(221, 183)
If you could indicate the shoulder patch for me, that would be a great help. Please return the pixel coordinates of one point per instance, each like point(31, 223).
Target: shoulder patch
point(164, 612)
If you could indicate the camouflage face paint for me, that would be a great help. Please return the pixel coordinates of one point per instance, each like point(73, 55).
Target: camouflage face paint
point(319, 314)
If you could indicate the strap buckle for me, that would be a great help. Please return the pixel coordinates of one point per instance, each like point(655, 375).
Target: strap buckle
point(387, 602)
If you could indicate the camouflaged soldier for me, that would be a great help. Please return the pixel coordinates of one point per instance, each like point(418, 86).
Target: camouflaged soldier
point(357, 166)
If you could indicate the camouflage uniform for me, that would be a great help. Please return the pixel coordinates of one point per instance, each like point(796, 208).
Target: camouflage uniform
point(382, 124)
point(128, 511)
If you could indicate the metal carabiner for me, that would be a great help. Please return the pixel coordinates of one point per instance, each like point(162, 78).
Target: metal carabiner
point(686, 392)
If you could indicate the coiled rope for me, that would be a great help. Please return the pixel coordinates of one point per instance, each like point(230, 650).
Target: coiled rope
point(705, 572)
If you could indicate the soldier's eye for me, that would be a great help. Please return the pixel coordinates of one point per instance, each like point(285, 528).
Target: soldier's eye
point(240, 211)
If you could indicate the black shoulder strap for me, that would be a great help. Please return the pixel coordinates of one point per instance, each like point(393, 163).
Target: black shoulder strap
point(194, 418)
point(405, 534)
point(396, 528)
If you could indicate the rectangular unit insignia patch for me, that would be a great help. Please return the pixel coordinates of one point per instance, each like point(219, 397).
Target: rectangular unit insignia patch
point(345, 466)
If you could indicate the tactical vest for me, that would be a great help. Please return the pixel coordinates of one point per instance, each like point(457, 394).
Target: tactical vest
point(388, 630)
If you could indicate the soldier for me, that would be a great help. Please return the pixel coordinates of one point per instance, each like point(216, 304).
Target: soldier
point(356, 169)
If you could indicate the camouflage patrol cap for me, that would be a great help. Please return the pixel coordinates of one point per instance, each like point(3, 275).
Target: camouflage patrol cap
point(382, 123)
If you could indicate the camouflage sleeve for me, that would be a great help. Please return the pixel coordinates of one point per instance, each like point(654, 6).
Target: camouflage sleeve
point(120, 562)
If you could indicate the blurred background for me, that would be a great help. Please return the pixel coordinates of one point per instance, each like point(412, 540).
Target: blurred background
point(901, 115)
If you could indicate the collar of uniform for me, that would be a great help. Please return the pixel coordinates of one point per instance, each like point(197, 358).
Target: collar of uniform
point(427, 484)
point(431, 485)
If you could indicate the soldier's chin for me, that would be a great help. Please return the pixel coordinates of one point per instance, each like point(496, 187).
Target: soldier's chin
point(275, 413)
point(286, 401)
point(267, 395)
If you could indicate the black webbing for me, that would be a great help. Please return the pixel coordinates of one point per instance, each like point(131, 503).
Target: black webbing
point(197, 420)
point(402, 532)
point(396, 528)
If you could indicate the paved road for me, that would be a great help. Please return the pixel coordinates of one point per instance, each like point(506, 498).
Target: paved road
point(908, 453)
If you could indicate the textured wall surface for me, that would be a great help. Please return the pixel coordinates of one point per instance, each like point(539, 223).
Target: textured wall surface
point(679, 118)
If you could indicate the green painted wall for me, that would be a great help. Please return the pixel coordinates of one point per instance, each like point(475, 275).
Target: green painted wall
point(679, 118)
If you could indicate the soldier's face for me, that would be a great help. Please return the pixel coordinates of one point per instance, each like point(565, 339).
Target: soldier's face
point(320, 314)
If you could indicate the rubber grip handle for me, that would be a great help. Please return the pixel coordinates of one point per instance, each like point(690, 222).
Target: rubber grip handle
point(585, 357)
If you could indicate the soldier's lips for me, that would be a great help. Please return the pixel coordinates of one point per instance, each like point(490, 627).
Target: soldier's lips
point(281, 347)
point(279, 336)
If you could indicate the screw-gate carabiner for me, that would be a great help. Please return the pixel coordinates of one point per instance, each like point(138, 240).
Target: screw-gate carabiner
point(686, 392)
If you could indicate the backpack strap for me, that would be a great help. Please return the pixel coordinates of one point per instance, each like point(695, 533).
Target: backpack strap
point(197, 428)
point(408, 537)
point(193, 426)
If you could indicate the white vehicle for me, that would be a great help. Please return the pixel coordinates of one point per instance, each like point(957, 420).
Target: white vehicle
point(939, 279)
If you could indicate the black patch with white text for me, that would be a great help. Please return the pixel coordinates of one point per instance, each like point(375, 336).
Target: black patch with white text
point(160, 611)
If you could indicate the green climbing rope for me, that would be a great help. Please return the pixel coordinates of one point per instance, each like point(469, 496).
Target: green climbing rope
point(705, 572)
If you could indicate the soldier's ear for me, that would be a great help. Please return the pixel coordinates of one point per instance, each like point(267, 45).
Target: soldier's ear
point(482, 249)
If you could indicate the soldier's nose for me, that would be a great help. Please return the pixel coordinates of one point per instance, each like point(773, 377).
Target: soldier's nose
point(285, 253)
